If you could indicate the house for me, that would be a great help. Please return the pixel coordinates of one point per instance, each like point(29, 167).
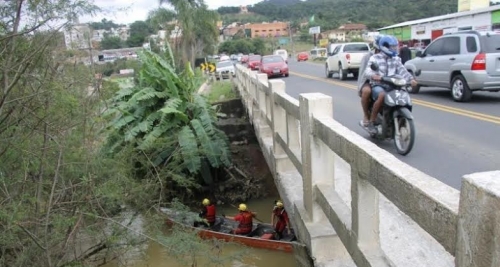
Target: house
point(334, 35)
point(77, 36)
point(273, 29)
point(353, 31)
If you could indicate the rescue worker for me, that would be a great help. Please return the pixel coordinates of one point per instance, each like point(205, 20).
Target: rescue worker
point(208, 213)
point(244, 219)
point(282, 220)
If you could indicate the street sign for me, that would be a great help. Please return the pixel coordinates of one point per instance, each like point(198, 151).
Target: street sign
point(211, 67)
point(283, 41)
point(203, 66)
point(314, 30)
point(323, 42)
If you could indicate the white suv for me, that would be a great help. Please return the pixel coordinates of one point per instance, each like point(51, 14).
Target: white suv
point(346, 58)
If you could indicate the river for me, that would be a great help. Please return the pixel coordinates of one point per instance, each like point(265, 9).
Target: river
point(157, 256)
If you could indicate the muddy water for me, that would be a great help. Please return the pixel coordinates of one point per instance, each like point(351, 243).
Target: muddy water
point(156, 255)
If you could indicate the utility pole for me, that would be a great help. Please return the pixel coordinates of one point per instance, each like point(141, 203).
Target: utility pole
point(291, 37)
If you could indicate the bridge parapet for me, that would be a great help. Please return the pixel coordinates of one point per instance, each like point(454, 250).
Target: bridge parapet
point(425, 222)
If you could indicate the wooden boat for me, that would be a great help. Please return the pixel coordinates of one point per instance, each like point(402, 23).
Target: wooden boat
point(262, 235)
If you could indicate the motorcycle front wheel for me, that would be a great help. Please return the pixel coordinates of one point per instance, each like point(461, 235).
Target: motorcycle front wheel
point(404, 142)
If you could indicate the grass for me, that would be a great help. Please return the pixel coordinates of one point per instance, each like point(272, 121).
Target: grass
point(221, 90)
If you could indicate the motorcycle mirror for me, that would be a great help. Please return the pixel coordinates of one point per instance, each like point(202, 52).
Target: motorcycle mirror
point(418, 72)
point(374, 66)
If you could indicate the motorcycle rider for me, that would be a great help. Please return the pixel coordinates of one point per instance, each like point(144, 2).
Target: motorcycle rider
point(389, 64)
point(364, 87)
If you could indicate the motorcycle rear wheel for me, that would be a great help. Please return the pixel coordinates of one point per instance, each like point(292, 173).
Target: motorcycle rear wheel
point(404, 143)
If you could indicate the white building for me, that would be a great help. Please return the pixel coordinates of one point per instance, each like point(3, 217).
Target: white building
point(482, 19)
point(77, 36)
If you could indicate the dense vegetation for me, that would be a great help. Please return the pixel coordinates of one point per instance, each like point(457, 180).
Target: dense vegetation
point(332, 13)
point(67, 171)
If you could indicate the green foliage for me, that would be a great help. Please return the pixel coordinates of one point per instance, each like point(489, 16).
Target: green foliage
point(111, 42)
point(220, 89)
point(104, 24)
point(170, 128)
point(245, 46)
point(139, 30)
point(332, 13)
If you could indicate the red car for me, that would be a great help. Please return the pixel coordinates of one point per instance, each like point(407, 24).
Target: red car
point(254, 61)
point(274, 66)
point(244, 59)
point(302, 56)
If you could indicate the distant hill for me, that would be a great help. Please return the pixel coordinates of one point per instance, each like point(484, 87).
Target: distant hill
point(330, 14)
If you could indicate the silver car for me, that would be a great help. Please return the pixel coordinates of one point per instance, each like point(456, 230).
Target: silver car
point(464, 62)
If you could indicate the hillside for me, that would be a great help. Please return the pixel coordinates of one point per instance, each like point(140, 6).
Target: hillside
point(332, 13)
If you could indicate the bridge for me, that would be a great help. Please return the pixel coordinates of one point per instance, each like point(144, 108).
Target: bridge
point(355, 204)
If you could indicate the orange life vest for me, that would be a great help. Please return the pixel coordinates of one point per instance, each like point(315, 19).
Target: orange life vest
point(247, 223)
point(210, 216)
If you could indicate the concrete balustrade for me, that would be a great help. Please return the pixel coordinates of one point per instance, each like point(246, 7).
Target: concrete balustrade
point(330, 179)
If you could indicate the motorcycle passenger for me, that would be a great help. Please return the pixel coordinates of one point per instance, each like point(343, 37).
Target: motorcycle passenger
point(364, 87)
point(389, 64)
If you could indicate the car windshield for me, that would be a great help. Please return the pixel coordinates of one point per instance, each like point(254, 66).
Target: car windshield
point(224, 64)
point(280, 52)
point(254, 58)
point(356, 48)
point(491, 43)
point(272, 59)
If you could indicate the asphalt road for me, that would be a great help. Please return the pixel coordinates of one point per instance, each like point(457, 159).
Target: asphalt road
point(453, 139)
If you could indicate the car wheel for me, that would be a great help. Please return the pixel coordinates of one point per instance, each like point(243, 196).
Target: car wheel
point(328, 73)
point(342, 73)
point(460, 90)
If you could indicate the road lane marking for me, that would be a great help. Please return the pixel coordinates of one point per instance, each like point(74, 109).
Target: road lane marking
point(456, 111)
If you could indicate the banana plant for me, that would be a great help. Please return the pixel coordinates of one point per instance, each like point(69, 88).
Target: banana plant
point(164, 118)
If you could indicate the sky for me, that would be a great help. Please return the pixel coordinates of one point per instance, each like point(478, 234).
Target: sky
point(128, 11)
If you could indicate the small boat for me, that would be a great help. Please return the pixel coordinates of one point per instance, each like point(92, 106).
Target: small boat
point(262, 235)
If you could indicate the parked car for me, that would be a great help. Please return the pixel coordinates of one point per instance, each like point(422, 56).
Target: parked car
point(254, 61)
point(302, 56)
point(224, 69)
point(346, 58)
point(273, 65)
point(464, 62)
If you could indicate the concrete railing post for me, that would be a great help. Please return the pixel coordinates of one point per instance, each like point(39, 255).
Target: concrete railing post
point(478, 228)
point(262, 81)
point(318, 105)
point(278, 121)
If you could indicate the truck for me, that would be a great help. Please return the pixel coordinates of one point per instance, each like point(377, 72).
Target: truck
point(345, 59)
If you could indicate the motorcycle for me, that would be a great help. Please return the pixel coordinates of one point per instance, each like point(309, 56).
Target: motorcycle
point(395, 120)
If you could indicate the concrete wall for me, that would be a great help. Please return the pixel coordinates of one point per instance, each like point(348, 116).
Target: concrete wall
point(330, 179)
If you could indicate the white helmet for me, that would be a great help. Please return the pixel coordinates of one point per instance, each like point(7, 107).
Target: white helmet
point(376, 40)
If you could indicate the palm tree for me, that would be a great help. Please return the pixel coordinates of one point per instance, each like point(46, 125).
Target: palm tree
point(198, 25)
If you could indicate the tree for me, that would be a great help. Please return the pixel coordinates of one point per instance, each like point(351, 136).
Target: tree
point(104, 24)
point(159, 18)
point(57, 189)
point(168, 126)
point(111, 42)
point(198, 25)
point(139, 31)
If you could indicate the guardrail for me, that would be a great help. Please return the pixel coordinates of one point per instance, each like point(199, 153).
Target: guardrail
point(306, 138)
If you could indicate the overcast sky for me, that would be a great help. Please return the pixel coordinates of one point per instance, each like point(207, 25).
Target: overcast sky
point(128, 11)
